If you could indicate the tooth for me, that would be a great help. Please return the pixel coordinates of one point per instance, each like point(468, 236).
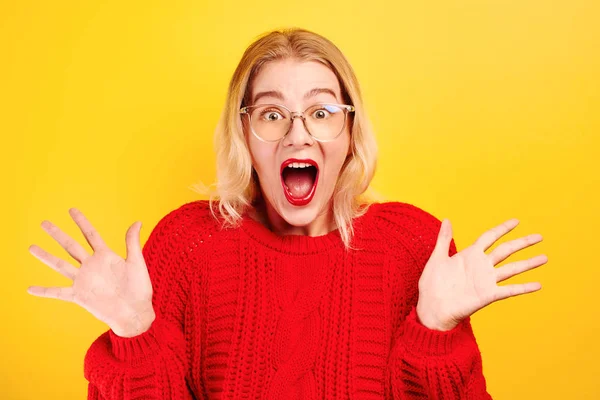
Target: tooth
point(295, 165)
point(303, 165)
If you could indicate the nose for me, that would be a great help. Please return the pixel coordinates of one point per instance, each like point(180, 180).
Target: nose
point(297, 136)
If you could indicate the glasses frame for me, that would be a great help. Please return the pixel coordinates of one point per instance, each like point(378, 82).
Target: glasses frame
point(297, 114)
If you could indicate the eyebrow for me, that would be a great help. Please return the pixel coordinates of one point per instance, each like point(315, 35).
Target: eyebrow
point(278, 95)
point(316, 91)
point(268, 93)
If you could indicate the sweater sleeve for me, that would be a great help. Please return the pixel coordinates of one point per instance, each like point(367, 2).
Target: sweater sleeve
point(154, 364)
point(426, 363)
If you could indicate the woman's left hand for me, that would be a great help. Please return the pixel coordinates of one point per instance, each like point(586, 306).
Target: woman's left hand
point(453, 288)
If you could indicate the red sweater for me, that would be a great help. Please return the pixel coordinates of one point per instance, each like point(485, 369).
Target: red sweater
point(245, 313)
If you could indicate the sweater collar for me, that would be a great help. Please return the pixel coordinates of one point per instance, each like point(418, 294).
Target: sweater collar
point(291, 244)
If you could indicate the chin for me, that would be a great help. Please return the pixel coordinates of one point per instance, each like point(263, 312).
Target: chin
point(299, 216)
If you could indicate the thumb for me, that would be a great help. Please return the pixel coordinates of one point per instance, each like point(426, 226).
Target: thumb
point(132, 239)
point(442, 246)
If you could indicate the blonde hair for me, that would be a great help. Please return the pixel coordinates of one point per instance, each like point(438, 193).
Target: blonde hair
point(237, 187)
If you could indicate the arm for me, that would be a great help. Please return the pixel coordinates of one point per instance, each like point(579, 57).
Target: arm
point(425, 363)
point(153, 364)
point(430, 364)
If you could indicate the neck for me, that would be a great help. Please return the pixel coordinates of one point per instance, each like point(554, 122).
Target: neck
point(268, 216)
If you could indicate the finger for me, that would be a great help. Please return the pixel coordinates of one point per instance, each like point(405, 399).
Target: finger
point(518, 267)
point(507, 291)
point(490, 237)
point(57, 264)
point(132, 239)
point(67, 242)
point(89, 232)
point(60, 293)
point(503, 251)
point(442, 246)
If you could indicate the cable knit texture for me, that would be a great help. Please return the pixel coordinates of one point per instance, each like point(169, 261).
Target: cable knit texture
point(245, 313)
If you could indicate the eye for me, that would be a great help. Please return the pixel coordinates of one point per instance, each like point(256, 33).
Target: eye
point(271, 115)
point(321, 113)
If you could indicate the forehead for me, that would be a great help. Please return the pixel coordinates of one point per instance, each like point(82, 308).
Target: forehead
point(295, 78)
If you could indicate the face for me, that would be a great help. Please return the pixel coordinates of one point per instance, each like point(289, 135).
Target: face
point(297, 196)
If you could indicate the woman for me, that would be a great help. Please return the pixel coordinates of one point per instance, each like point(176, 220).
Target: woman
point(290, 285)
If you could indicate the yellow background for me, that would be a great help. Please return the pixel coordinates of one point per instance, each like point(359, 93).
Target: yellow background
point(484, 110)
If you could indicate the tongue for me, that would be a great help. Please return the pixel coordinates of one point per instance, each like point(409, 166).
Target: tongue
point(299, 181)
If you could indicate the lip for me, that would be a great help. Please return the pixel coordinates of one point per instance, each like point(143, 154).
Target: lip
point(293, 200)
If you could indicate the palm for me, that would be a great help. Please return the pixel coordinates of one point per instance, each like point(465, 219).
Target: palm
point(453, 288)
point(469, 279)
point(104, 280)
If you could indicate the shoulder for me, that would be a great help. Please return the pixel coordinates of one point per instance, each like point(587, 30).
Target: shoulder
point(183, 227)
point(193, 216)
point(407, 217)
point(193, 211)
point(407, 225)
point(177, 248)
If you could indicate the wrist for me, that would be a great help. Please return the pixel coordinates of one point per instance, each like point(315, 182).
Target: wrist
point(136, 324)
point(430, 321)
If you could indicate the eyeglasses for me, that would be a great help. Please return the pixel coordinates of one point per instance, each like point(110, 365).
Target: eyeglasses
point(271, 122)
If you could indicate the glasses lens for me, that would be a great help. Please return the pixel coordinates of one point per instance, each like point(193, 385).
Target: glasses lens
point(325, 121)
point(270, 122)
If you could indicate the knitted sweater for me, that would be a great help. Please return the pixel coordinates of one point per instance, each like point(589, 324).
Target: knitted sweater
point(245, 313)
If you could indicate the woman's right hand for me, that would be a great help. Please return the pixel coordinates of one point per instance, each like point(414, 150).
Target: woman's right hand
point(116, 291)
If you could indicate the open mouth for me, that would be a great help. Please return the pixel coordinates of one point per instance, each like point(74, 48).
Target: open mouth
point(299, 180)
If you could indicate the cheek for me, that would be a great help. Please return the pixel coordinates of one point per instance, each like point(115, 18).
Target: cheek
point(338, 153)
point(263, 156)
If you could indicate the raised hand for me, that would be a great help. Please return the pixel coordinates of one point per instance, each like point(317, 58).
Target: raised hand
point(453, 288)
point(116, 291)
